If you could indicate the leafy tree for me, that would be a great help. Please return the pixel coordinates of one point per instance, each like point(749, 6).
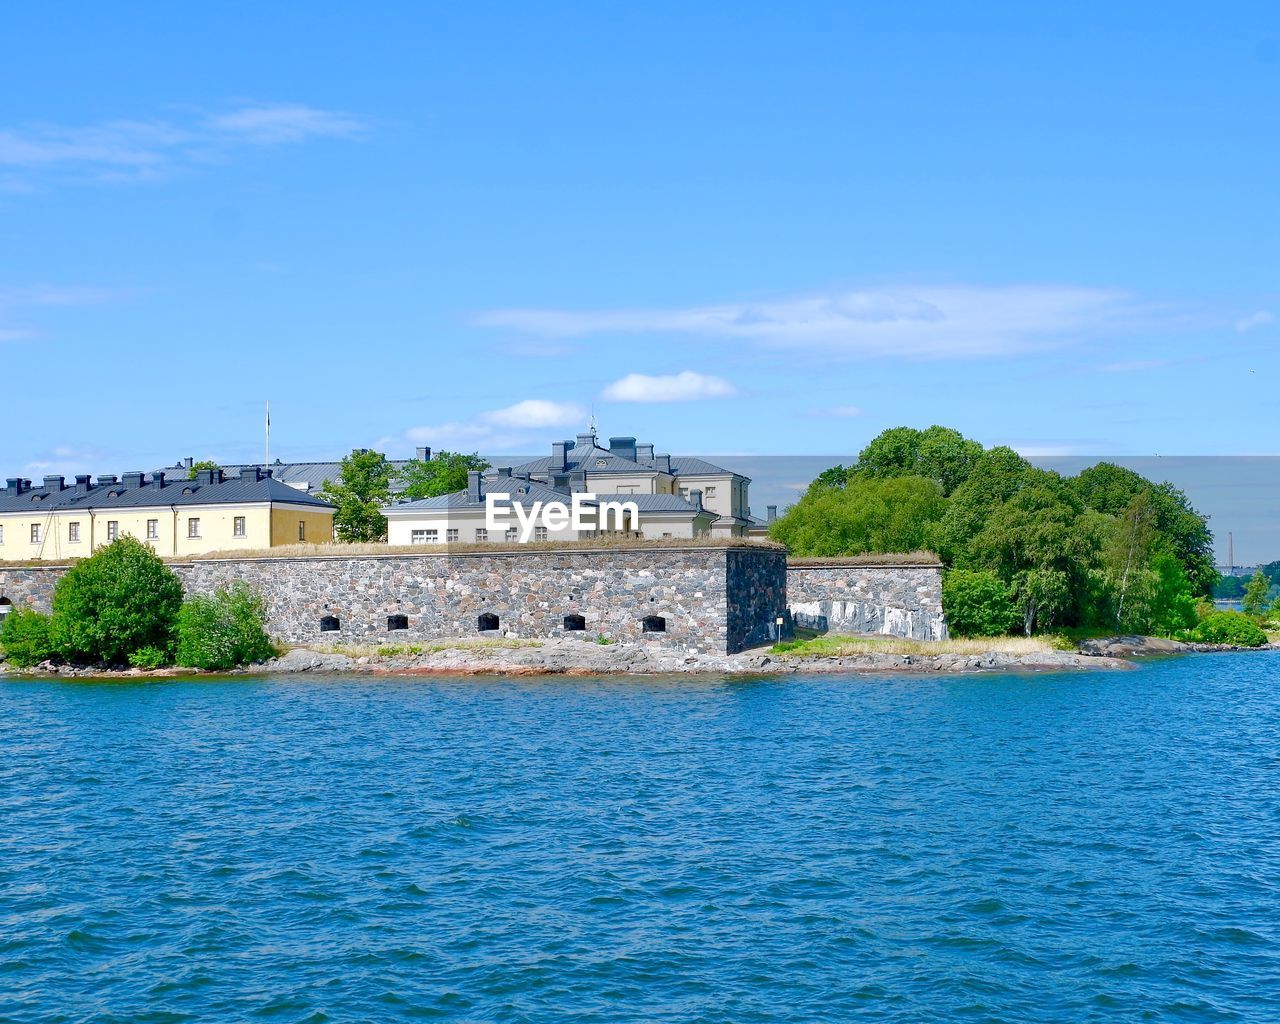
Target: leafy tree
point(939, 453)
point(977, 604)
point(25, 637)
point(1255, 594)
point(836, 476)
point(1173, 605)
point(223, 630)
point(360, 493)
point(866, 515)
point(1229, 588)
point(998, 475)
point(443, 473)
point(114, 602)
point(196, 467)
point(1234, 628)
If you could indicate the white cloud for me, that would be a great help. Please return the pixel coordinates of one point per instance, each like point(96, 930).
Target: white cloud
point(839, 412)
point(677, 387)
point(928, 321)
point(15, 301)
point(140, 150)
point(497, 428)
point(1259, 319)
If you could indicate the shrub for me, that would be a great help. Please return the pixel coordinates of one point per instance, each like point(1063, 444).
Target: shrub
point(977, 604)
point(25, 639)
point(1230, 628)
point(120, 599)
point(223, 631)
point(149, 657)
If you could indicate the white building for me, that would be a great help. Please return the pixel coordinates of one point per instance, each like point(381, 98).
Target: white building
point(634, 491)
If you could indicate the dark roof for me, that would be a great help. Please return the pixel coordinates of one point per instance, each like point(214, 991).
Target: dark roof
point(236, 490)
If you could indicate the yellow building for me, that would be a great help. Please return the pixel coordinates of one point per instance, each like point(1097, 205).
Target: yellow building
point(57, 521)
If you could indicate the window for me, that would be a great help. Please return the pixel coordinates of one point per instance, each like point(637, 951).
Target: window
point(302, 530)
point(153, 529)
point(709, 491)
point(433, 537)
point(684, 493)
point(451, 536)
point(666, 536)
point(539, 533)
point(237, 526)
point(113, 530)
point(417, 536)
point(35, 533)
point(395, 622)
point(486, 622)
point(1, 534)
point(482, 535)
point(512, 534)
point(573, 623)
point(654, 624)
point(330, 624)
point(73, 533)
point(193, 527)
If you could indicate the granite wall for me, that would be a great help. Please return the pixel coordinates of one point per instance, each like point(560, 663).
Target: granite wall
point(707, 599)
point(893, 600)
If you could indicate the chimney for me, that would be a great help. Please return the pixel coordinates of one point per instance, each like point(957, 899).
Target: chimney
point(106, 481)
point(424, 454)
point(132, 480)
point(623, 447)
point(188, 462)
point(473, 486)
point(53, 483)
point(662, 463)
point(13, 486)
point(771, 513)
point(578, 482)
point(505, 471)
point(157, 481)
point(644, 453)
point(84, 482)
point(251, 474)
point(558, 455)
point(586, 440)
point(695, 498)
point(208, 476)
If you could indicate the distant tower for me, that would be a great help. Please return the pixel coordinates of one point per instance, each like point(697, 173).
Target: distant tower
point(1231, 554)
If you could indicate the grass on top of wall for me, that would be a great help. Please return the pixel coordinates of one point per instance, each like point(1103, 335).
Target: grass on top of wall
point(927, 558)
point(489, 547)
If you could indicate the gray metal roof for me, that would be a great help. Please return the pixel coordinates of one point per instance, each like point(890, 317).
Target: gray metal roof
point(151, 494)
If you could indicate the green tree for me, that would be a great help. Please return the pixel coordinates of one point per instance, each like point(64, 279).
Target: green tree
point(1229, 588)
point(998, 475)
point(196, 467)
point(977, 604)
point(1255, 594)
point(223, 630)
point(26, 637)
point(360, 493)
point(119, 599)
point(443, 473)
point(1173, 605)
point(866, 515)
point(938, 453)
point(1234, 628)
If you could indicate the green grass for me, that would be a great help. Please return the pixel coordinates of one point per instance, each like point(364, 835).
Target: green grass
point(835, 645)
point(384, 651)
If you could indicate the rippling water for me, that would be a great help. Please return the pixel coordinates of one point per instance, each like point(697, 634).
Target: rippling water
point(1002, 848)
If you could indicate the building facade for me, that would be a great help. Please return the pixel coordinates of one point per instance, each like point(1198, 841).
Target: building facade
point(632, 491)
point(55, 520)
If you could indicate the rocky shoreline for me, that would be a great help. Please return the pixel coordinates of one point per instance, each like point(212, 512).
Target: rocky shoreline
point(574, 657)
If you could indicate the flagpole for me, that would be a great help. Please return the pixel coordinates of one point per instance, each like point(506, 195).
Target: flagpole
point(267, 464)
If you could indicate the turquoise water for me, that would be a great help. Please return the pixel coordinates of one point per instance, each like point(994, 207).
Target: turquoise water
point(987, 848)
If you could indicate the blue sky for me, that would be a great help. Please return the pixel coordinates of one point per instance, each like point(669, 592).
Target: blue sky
point(752, 228)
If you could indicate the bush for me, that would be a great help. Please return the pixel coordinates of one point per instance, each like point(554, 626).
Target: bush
point(1234, 628)
point(977, 604)
point(120, 599)
point(25, 638)
point(148, 657)
point(223, 631)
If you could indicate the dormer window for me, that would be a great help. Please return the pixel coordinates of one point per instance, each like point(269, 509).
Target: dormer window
point(601, 463)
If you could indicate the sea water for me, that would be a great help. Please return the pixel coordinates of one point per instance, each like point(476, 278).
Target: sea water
point(1062, 847)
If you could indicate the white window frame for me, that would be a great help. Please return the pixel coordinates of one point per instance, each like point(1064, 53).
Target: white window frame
point(302, 531)
point(35, 533)
point(113, 530)
point(417, 536)
point(193, 528)
point(73, 533)
point(451, 536)
point(482, 535)
point(539, 533)
point(512, 534)
point(433, 537)
point(238, 527)
point(153, 529)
